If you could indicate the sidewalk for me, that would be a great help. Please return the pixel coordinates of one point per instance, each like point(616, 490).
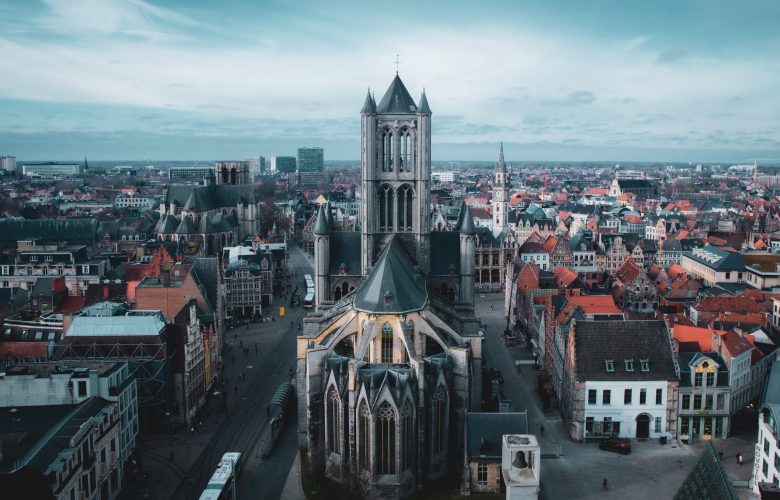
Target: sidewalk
point(292, 488)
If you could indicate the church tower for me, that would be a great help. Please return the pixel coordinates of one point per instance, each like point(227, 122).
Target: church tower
point(500, 199)
point(396, 173)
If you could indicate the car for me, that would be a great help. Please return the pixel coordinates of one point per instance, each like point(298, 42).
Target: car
point(619, 445)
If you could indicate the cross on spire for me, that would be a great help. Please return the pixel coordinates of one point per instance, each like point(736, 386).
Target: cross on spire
point(397, 62)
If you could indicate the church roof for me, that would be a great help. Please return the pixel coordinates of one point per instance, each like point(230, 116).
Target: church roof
point(393, 285)
point(345, 249)
point(186, 226)
point(397, 99)
point(445, 245)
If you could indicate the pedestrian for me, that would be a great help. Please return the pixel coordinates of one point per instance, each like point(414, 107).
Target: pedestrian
point(739, 458)
point(604, 484)
point(541, 430)
point(720, 454)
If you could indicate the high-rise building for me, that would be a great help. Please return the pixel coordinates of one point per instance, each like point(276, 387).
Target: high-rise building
point(311, 160)
point(282, 164)
point(8, 164)
point(256, 164)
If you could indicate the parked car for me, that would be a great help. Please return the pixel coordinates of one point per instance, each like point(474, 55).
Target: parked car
point(619, 445)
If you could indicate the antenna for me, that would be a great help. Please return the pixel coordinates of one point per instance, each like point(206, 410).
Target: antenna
point(397, 63)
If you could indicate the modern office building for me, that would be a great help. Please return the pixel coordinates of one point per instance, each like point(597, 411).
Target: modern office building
point(311, 160)
point(51, 169)
point(8, 164)
point(256, 164)
point(188, 174)
point(283, 164)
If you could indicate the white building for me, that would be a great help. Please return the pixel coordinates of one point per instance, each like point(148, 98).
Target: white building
point(8, 164)
point(443, 176)
point(714, 265)
point(766, 467)
point(521, 466)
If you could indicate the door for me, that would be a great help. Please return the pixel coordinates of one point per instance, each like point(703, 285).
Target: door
point(643, 426)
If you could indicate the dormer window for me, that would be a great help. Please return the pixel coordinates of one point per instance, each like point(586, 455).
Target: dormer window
point(629, 365)
point(609, 365)
point(343, 268)
point(644, 364)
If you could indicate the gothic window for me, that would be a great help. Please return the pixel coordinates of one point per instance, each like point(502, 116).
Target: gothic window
point(439, 418)
point(363, 430)
point(385, 439)
point(332, 420)
point(387, 151)
point(407, 437)
point(405, 195)
point(385, 199)
point(387, 343)
point(406, 151)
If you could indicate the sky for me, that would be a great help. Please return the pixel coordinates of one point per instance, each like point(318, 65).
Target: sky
point(612, 80)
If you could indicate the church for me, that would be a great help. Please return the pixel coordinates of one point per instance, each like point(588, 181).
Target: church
point(390, 360)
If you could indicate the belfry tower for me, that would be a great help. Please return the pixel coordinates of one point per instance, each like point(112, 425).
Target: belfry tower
point(396, 172)
point(500, 200)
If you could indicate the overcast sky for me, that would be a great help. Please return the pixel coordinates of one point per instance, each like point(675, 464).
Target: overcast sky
point(593, 80)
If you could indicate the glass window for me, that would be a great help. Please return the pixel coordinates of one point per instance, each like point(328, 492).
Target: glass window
point(643, 396)
point(708, 402)
point(697, 401)
point(721, 401)
point(711, 379)
point(686, 402)
point(644, 365)
point(385, 439)
point(610, 365)
point(592, 397)
point(659, 396)
point(697, 378)
point(657, 424)
point(629, 365)
point(387, 343)
point(482, 474)
point(627, 396)
point(766, 446)
point(606, 395)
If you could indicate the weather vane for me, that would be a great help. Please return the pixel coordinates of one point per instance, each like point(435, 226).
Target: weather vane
point(397, 62)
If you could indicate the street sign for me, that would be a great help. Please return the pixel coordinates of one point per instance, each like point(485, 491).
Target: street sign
point(281, 312)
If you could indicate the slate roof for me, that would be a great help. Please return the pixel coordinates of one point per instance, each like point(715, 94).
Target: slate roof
point(686, 359)
point(167, 224)
point(485, 431)
point(397, 99)
point(634, 183)
point(186, 226)
point(708, 479)
point(369, 106)
point(345, 249)
point(73, 231)
point(394, 285)
point(424, 108)
point(205, 271)
point(445, 252)
point(321, 224)
point(722, 260)
point(598, 341)
point(770, 400)
point(204, 198)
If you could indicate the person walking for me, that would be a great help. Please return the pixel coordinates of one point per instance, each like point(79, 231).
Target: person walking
point(739, 458)
point(604, 484)
point(541, 430)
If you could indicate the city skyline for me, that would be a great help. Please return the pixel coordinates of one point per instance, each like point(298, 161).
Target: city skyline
point(135, 80)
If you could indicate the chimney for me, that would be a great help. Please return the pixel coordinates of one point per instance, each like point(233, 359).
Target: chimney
point(105, 293)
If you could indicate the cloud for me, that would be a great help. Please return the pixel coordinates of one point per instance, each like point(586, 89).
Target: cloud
point(671, 56)
point(576, 98)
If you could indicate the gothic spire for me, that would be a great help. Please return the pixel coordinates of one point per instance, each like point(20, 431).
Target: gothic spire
point(369, 106)
point(501, 164)
point(423, 108)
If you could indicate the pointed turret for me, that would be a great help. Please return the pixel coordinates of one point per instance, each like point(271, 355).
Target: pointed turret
point(321, 226)
point(467, 226)
point(423, 108)
point(501, 163)
point(369, 106)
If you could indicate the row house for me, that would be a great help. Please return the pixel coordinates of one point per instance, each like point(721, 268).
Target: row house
point(492, 254)
point(766, 466)
point(620, 380)
point(80, 460)
point(704, 396)
point(34, 261)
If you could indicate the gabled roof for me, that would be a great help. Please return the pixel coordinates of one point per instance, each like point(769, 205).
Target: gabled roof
point(596, 342)
point(394, 285)
point(397, 99)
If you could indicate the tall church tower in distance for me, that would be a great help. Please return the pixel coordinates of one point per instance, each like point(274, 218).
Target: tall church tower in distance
point(396, 171)
point(500, 197)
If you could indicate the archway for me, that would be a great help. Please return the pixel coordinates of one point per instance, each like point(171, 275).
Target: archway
point(643, 426)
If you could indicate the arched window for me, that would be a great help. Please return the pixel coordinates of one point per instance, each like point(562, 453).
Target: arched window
point(364, 417)
point(387, 151)
point(385, 199)
point(387, 343)
point(385, 439)
point(439, 418)
point(407, 437)
point(406, 158)
point(332, 420)
point(405, 196)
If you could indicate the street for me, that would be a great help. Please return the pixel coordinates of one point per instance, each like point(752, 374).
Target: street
point(196, 453)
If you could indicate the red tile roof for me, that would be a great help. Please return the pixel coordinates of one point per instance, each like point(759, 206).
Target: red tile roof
point(693, 334)
point(735, 344)
point(23, 349)
point(595, 304)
